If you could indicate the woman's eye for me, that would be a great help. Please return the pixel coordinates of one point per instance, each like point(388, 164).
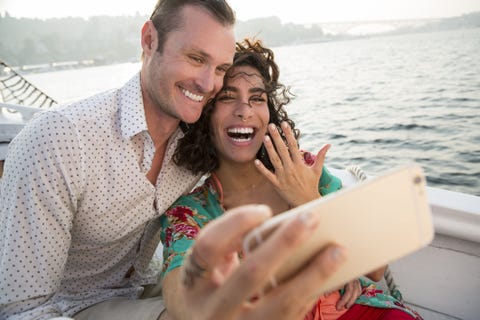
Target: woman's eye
point(257, 99)
point(226, 98)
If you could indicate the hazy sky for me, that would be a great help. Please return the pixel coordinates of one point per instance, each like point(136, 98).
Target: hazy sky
point(297, 11)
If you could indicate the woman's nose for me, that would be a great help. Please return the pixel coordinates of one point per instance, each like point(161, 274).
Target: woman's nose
point(243, 110)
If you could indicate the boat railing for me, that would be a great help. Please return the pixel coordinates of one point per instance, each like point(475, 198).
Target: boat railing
point(16, 89)
point(12, 119)
point(26, 113)
point(442, 280)
point(455, 214)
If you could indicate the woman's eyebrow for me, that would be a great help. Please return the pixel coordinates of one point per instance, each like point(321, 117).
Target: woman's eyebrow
point(256, 90)
point(229, 88)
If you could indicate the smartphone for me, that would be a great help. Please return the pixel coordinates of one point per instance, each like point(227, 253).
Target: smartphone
point(377, 221)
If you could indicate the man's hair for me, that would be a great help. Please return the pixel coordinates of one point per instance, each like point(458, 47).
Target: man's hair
point(166, 16)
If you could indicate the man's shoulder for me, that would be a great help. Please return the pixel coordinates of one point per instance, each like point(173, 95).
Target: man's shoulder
point(102, 104)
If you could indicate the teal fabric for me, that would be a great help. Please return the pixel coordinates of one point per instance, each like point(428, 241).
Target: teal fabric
point(190, 213)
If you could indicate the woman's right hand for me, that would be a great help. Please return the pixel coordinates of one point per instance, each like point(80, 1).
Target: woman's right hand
point(220, 291)
point(295, 179)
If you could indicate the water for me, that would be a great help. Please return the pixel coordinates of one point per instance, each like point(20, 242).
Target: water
point(380, 102)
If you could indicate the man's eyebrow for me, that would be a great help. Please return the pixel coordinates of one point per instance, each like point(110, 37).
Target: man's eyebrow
point(209, 57)
point(200, 52)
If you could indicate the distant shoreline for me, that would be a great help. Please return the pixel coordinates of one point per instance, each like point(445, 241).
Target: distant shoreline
point(70, 43)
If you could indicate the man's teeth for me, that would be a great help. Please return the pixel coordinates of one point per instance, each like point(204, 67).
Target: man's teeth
point(194, 97)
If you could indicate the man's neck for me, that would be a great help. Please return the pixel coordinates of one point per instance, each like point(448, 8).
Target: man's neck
point(161, 128)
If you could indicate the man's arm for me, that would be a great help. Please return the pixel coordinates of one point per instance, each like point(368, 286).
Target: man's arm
point(37, 208)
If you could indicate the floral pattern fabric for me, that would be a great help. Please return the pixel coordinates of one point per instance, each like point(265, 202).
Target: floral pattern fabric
point(190, 213)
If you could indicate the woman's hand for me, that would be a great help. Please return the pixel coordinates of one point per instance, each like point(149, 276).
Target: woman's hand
point(294, 179)
point(214, 290)
point(352, 291)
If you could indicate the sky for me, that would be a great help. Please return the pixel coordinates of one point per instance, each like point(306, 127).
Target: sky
point(298, 11)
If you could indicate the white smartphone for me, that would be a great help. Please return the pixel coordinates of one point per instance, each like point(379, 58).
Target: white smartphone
point(377, 221)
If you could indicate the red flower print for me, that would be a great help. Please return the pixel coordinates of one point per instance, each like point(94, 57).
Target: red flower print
point(371, 291)
point(186, 230)
point(180, 213)
point(168, 236)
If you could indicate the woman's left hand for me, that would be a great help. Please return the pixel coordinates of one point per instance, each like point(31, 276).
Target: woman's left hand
point(294, 179)
point(352, 291)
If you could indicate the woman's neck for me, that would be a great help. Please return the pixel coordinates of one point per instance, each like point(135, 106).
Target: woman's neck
point(239, 177)
point(244, 184)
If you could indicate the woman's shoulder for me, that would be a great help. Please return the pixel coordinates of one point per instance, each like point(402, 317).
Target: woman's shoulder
point(328, 182)
point(200, 198)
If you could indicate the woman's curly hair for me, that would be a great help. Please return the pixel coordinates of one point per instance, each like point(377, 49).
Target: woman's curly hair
point(196, 150)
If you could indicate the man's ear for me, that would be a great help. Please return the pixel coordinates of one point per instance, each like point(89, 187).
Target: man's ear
point(149, 38)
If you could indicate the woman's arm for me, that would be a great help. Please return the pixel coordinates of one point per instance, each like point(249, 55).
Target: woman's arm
point(211, 297)
point(173, 293)
point(377, 274)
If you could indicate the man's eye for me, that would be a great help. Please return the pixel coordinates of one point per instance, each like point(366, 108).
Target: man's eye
point(222, 70)
point(196, 59)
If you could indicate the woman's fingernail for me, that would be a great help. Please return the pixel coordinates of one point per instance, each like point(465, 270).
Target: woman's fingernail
point(305, 217)
point(308, 219)
point(264, 209)
point(337, 254)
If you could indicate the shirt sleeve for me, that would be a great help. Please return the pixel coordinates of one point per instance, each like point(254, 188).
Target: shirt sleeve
point(328, 182)
point(180, 226)
point(38, 200)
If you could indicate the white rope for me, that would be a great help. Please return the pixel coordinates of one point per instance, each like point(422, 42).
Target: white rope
point(392, 286)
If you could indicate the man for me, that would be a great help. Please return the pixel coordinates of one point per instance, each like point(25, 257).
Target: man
point(84, 184)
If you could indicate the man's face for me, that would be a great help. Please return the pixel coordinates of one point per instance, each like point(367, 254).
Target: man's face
point(189, 71)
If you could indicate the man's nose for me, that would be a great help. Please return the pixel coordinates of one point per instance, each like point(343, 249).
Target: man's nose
point(209, 81)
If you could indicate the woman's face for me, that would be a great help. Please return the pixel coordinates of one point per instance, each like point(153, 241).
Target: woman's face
point(240, 116)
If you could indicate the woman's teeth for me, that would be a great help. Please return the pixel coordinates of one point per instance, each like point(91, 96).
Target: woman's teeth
point(240, 134)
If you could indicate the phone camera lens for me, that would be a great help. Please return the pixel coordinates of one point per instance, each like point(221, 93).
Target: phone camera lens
point(417, 180)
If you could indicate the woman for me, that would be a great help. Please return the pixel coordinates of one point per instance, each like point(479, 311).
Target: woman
point(247, 165)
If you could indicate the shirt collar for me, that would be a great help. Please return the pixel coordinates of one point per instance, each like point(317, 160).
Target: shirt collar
point(132, 112)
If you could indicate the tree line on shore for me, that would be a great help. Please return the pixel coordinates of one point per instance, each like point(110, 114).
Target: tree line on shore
point(107, 39)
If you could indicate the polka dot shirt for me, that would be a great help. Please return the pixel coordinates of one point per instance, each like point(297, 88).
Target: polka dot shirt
point(77, 213)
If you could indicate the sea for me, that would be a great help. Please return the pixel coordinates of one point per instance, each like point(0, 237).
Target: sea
point(381, 101)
